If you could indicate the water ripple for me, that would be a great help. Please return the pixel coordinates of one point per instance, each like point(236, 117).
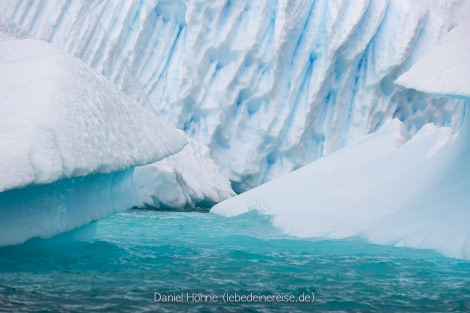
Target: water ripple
point(138, 253)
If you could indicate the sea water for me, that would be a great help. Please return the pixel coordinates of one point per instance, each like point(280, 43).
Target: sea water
point(150, 261)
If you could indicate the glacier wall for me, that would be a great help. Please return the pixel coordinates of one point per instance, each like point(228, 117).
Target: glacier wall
point(268, 85)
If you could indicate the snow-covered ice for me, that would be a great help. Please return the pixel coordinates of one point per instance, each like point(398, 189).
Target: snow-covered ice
point(377, 189)
point(269, 86)
point(445, 69)
point(69, 141)
point(256, 80)
point(60, 119)
point(385, 189)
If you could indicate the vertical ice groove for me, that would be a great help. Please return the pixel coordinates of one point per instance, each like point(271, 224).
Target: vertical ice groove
point(254, 79)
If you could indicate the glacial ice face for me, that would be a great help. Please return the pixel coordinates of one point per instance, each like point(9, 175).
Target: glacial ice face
point(386, 189)
point(69, 142)
point(269, 86)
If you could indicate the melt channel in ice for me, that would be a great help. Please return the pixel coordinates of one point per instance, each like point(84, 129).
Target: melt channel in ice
point(386, 189)
point(255, 80)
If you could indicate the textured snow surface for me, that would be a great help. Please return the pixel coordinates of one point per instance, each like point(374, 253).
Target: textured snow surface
point(445, 69)
point(412, 194)
point(186, 180)
point(60, 119)
point(69, 141)
point(268, 85)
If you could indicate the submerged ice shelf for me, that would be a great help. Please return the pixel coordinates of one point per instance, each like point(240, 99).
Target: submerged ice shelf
point(44, 211)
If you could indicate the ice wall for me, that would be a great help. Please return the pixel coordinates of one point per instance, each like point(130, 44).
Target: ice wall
point(10, 30)
point(268, 85)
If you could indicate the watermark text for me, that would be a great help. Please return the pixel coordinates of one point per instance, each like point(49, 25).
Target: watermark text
point(232, 297)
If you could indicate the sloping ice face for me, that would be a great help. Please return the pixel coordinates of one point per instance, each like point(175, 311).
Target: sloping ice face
point(268, 85)
point(387, 188)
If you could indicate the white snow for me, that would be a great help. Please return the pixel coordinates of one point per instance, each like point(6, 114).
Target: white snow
point(60, 119)
point(440, 72)
point(255, 80)
point(383, 190)
point(69, 142)
point(411, 194)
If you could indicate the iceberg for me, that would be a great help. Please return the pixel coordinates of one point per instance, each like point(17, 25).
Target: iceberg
point(69, 142)
point(386, 189)
point(59, 120)
point(216, 187)
point(256, 80)
point(268, 86)
point(187, 180)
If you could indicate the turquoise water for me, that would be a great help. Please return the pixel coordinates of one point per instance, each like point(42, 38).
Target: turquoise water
point(142, 256)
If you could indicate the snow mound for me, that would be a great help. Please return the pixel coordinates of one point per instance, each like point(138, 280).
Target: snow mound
point(60, 119)
point(69, 142)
